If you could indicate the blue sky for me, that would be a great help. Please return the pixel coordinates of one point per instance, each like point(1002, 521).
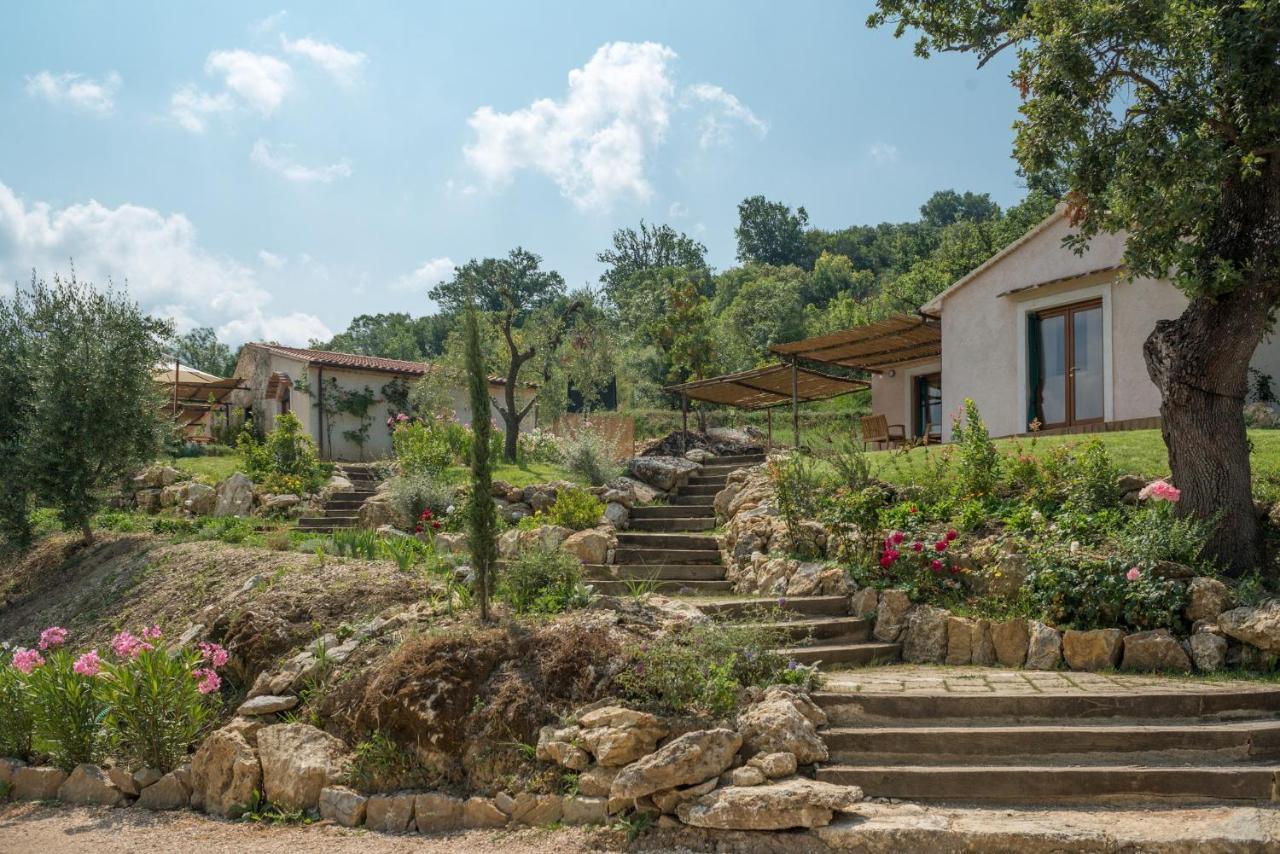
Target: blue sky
point(273, 170)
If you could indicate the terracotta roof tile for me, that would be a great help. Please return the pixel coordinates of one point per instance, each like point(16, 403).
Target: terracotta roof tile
point(331, 359)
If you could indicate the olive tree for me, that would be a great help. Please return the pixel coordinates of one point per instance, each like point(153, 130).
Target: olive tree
point(1162, 120)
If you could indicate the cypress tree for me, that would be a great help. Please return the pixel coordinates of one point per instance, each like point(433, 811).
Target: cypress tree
point(481, 516)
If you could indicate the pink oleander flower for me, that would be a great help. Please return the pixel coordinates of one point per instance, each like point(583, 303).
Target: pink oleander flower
point(88, 664)
point(27, 660)
point(152, 633)
point(127, 645)
point(897, 536)
point(917, 546)
point(935, 565)
point(52, 636)
point(940, 545)
point(213, 653)
point(402, 417)
point(952, 534)
point(1160, 491)
point(1133, 574)
point(209, 680)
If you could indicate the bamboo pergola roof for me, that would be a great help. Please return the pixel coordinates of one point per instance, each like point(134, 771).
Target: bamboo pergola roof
point(892, 341)
point(761, 388)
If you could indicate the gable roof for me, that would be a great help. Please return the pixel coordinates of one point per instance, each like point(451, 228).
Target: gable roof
point(358, 362)
point(934, 306)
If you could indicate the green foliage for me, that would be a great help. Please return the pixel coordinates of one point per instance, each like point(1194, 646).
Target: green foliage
point(413, 493)
point(575, 509)
point(798, 486)
point(201, 349)
point(422, 447)
point(395, 335)
point(87, 415)
point(589, 455)
point(540, 446)
point(67, 711)
point(1075, 591)
point(16, 718)
point(379, 764)
point(359, 543)
point(225, 529)
point(543, 580)
point(704, 668)
point(977, 461)
point(405, 551)
point(154, 711)
point(769, 233)
point(481, 514)
point(286, 461)
point(1154, 533)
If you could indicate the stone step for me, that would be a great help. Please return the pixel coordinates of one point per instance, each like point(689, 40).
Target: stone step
point(667, 541)
point(354, 495)
point(701, 491)
point(618, 587)
point(933, 745)
point(739, 460)
point(816, 629)
point(654, 557)
point(1031, 783)
point(670, 511)
point(666, 572)
point(707, 501)
point(339, 506)
point(809, 605)
point(831, 656)
point(858, 708)
point(325, 523)
point(715, 468)
point(702, 523)
point(708, 480)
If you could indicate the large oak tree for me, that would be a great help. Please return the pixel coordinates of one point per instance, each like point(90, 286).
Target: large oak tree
point(1163, 120)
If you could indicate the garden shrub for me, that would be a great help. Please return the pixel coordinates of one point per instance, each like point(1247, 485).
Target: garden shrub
point(65, 707)
point(540, 446)
point(918, 560)
point(851, 517)
point(575, 509)
point(543, 580)
point(704, 668)
point(1154, 533)
point(977, 462)
point(589, 455)
point(285, 461)
point(421, 448)
point(414, 492)
point(226, 529)
point(798, 487)
point(1082, 592)
point(380, 765)
point(16, 721)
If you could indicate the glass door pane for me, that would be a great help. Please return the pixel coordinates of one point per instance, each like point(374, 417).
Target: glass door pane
point(1086, 364)
point(1053, 370)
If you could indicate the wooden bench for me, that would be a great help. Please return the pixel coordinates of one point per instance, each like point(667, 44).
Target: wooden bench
point(876, 428)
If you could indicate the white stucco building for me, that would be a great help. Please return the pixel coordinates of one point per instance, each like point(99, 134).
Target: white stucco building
point(292, 379)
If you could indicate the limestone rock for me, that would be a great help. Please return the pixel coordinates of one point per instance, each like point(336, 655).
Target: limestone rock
point(389, 813)
point(537, 810)
point(201, 499)
point(690, 758)
point(379, 510)
point(596, 781)
point(235, 496)
point(434, 812)
point(664, 473)
point(1044, 647)
point(1259, 626)
point(864, 603)
point(585, 810)
point(453, 544)
point(699, 455)
point(481, 812)
point(266, 704)
point(1098, 649)
point(925, 640)
point(298, 761)
point(616, 514)
point(7, 768)
point(747, 775)
point(123, 780)
point(774, 765)
point(1154, 650)
point(982, 644)
point(778, 806)
point(817, 579)
point(343, 805)
point(1010, 639)
point(891, 616)
point(36, 783)
point(590, 546)
point(1207, 598)
point(90, 785)
point(617, 736)
point(560, 745)
point(1208, 651)
point(167, 793)
point(280, 503)
point(781, 722)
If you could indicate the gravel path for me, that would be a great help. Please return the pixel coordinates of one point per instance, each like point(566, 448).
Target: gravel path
point(27, 828)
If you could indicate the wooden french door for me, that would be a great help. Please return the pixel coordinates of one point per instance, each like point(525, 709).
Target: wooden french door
point(927, 422)
point(1067, 384)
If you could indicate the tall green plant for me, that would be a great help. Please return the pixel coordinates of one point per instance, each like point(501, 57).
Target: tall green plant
point(66, 709)
point(154, 708)
point(16, 721)
point(481, 515)
point(16, 402)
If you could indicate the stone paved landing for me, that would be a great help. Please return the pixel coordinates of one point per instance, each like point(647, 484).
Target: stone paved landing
point(926, 680)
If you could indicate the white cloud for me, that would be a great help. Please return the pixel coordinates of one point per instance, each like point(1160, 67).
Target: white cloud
point(595, 142)
point(158, 255)
point(342, 65)
point(267, 25)
point(883, 153)
point(192, 108)
point(678, 210)
point(81, 92)
point(724, 110)
point(291, 170)
point(271, 259)
point(432, 272)
point(261, 80)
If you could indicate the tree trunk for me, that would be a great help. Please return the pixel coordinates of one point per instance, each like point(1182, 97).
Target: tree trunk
point(511, 420)
point(1200, 363)
point(86, 533)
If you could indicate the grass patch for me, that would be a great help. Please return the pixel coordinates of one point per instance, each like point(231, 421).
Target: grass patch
point(516, 474)
point(208, 470)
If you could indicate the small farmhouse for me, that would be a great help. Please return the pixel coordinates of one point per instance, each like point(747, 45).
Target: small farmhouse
point(1038, 334)
point(293, 379)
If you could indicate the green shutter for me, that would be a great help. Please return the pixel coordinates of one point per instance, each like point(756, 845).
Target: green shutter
point(1034, 365)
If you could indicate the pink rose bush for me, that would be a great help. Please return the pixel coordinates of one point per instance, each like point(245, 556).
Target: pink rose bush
point(1160, 491)
point(920, 555)
point(146, 701)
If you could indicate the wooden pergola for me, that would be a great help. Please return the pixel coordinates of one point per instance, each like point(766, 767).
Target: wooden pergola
point(191, 394)
point(891, 341)
point(766, 388)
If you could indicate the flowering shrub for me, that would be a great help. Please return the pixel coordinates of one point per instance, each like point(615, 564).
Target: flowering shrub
point(286, 461)
point(414, 493)
point(65, 706)
point(421, 448)
point(920, 561)
point(539, 446)
point(589, 455)
point(1078, 591)
point(16, 722)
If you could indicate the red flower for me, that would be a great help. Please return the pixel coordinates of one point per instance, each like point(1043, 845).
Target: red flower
point(898, 536)
point(936, 565)
point(917, 546)
point(418, 528)
point(914, 509)
point(435, 526)
point(951, 535)
point(426, 514)
point(940, 545)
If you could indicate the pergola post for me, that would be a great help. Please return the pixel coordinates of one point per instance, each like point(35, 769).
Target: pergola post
point(768, 417)
point(795, 402)
point(684, 423)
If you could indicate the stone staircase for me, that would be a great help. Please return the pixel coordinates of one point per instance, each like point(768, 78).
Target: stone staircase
point(342, 510)
point(1180, 743)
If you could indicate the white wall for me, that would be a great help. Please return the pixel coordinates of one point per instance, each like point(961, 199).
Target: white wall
point(891, 396)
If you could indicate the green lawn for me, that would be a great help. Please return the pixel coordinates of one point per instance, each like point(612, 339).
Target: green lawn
point(520, 474)
point(209, 470)
point(1134, 451)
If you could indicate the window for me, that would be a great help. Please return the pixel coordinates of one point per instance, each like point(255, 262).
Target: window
point(1065, 365)
point(927, 418)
